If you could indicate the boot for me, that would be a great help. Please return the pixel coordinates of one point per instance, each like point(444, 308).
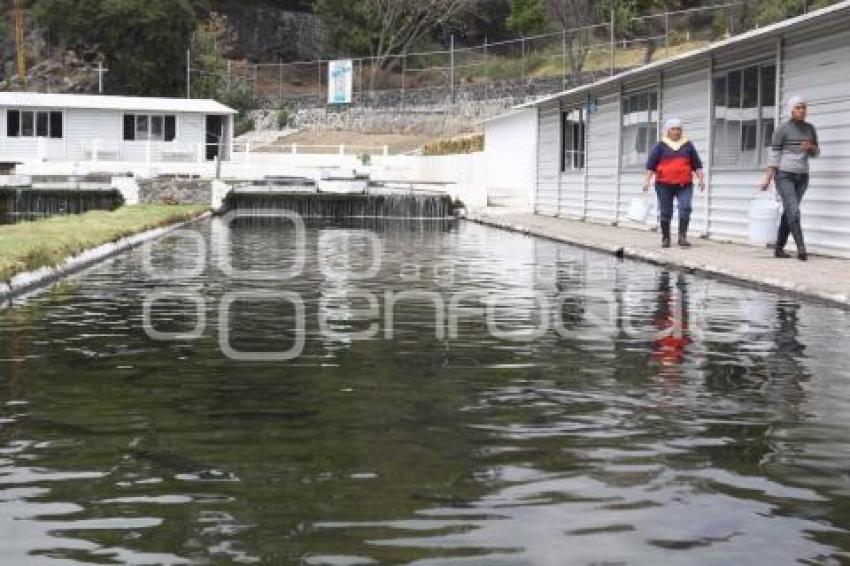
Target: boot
point(797, 232)
point(782, 239)
point(665, 233)
point(683, 233)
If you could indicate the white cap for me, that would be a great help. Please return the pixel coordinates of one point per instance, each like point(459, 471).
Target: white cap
point(794, 101)
point(672, 123)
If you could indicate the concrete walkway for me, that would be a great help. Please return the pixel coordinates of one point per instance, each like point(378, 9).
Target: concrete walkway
point(821, 277)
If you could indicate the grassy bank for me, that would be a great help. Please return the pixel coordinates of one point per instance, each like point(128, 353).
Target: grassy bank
point(46, 243)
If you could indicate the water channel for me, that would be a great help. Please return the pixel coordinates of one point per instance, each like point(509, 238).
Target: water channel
point(566, 408)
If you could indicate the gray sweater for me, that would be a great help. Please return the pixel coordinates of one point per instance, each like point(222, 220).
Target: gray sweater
point(785, 151)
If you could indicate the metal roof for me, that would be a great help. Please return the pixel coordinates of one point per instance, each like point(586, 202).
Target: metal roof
point(513, 112)
point(103, 102)
point(761, 33)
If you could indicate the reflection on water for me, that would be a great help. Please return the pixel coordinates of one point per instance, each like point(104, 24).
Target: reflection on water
point(661, 418)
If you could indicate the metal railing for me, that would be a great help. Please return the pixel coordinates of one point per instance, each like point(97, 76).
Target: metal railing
point(249, 147)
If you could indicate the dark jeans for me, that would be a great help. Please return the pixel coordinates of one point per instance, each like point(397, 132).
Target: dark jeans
point(791, 187)
point(667, 193)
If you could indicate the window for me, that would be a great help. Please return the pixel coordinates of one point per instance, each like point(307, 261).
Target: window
point(13, 123)
point(572, 139)
point(744, 110)
point(31, 123)
point(41, 124)
point(56, 128)
point(27, 124)
point(144, 127)
point(639, 126)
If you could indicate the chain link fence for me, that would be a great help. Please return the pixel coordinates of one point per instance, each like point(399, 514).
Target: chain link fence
point(522, 67)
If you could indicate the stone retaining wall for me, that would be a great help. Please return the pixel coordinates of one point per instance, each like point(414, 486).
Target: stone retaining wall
point(433, 111)
point(171, 190)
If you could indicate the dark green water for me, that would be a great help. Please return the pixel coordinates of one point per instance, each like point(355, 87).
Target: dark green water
point(669, 419)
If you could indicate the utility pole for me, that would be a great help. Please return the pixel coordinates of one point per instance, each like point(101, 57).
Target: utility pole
point(564, 55)
point(20, 41)
point(522, 59)
point(611, 25)
point(189, 73)
point(403, 72)
point(452, 66)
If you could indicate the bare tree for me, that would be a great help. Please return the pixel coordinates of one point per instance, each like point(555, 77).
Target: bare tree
point(403, 23)
point(575, 16)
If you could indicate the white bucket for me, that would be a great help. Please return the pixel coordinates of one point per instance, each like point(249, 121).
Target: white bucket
point(765, 213)
point(640, 208)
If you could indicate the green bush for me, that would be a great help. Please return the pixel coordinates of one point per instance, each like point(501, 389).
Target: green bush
point(282, 117)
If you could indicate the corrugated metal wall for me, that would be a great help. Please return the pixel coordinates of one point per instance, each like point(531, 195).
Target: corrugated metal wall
point(571, 194)
point(548, 158)
point(603, 158)
point(732, 188)
point(819, 69)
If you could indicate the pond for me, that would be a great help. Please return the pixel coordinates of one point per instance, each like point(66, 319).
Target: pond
point(426, 392)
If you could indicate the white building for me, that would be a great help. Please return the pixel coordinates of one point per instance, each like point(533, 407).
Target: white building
point(510, 159)
point(592, 141)
point(36, 127)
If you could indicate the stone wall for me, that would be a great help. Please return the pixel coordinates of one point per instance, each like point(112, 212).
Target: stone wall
point(432, 111)
point(171, 190)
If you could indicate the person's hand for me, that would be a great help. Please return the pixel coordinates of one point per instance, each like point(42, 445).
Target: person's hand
point(764, 185)
point(646, 186)
point(702, 186)
point(808, 146)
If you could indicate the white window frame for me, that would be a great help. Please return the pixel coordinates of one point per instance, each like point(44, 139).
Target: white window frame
point(34, 112)
point(149, 117)
point(574, 159)
point(763, 116)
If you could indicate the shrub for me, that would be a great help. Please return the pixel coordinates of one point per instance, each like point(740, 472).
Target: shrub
point(451, 146)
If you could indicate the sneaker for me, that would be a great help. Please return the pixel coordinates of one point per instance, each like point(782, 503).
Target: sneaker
point(665, 242)
point(779, 252)
point(683, 242)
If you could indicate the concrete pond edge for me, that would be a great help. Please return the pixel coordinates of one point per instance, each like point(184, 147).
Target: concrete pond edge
point(834, 299)
point(31, 281)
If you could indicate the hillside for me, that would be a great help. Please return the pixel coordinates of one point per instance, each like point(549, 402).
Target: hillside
point(272, 30)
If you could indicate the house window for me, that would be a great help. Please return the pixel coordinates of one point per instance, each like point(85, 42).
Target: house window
point(153, 127)
point(639, 126)
point(572, 139)
point(744, 113)
point(34, 123)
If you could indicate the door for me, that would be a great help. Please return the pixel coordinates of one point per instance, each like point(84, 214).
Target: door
point(215, 136)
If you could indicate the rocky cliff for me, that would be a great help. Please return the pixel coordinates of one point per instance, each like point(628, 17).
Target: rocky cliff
point(268, 30)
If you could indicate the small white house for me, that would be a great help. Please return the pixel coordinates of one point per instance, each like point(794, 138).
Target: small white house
point(38, 127)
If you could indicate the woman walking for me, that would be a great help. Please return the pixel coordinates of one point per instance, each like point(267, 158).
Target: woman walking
point(673, 162)
point(790, 149)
